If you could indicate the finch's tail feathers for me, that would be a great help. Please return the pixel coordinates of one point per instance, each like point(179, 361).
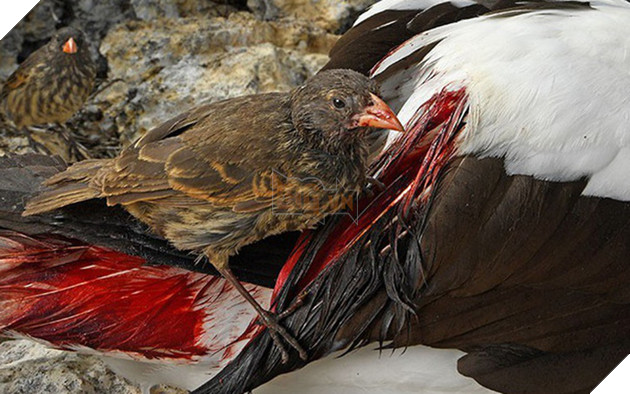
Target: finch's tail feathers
point(65, 188)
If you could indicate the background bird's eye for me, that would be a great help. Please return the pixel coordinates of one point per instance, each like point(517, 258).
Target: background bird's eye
point(338, 103)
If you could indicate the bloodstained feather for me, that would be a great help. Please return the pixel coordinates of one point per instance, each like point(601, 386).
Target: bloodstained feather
point(400, 170)
point(103, 300)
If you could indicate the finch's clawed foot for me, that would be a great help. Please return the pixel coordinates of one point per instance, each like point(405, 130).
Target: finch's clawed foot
point(75, 148)
point(299, 301)
point(276, 330)
point(268, 319)
point(36, 146)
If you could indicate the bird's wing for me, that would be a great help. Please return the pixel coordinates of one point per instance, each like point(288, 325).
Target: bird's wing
point(15, 80)
point(209, 154)
point(389, 23)
point(23, 73)
point(94, 300)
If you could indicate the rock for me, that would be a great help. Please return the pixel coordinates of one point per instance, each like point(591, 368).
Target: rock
point(28, 367)
point(41, 22)
point(206, 9)
point(10, 47)
point(264, 9)
point(256, 69)
point(96, 17)
point(174, 64)
point(153, 9)
point(148, 46)
point(332, 15)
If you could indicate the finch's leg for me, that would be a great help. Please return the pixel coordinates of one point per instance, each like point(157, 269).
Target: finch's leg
point(269, 319)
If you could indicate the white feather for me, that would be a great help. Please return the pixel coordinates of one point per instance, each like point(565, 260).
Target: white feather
point(419, 369)
point(400, 5)
point(149, 374)
point(548, 90)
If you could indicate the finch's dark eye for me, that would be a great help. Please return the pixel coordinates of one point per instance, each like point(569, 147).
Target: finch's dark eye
point(338, 103)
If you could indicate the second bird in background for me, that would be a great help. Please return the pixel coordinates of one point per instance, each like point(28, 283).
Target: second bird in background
point(52, 84)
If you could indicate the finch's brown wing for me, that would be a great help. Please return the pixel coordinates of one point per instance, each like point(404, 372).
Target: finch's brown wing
point(212, 153)
point(15, 80)
point(22, 75)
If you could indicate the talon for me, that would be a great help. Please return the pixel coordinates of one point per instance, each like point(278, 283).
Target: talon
point(278, 342)
point(292, 308)
point(276, 331)
point(270, 320)
point(36, 146)
point(75, 148)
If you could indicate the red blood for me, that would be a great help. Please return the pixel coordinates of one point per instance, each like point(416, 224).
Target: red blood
point(67, 294)
point(416, 156)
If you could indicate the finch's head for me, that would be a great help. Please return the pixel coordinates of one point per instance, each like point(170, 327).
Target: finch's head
point(339, 103)
point(68, 41)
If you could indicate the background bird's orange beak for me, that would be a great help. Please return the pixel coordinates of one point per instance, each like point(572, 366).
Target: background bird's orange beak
point(379, 115)
point(70, 46)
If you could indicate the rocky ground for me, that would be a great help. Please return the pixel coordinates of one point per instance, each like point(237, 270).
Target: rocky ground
point(28, 367)
point(157, 57)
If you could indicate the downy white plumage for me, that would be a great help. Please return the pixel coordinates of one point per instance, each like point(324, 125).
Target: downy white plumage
point(401, 5)
point(547, 89)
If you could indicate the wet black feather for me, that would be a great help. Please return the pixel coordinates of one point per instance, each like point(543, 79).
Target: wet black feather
point(336, 296)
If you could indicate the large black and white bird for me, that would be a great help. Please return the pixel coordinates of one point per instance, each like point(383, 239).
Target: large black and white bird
point(502, 230)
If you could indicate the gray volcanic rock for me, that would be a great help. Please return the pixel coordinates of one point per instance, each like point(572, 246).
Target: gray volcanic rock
point(10, 47)
point(28, 367)
point(153, 9)
point(167, 65)
point(333, 15)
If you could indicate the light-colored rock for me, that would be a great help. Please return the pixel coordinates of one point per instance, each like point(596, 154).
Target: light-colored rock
point(256, 69)
point(173, 64)
point(148, 46)
point(333, 15)
point(28, 367)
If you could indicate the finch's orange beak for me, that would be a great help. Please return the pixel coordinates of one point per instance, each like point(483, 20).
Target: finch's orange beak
point(379, 115)
point(70, 46)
